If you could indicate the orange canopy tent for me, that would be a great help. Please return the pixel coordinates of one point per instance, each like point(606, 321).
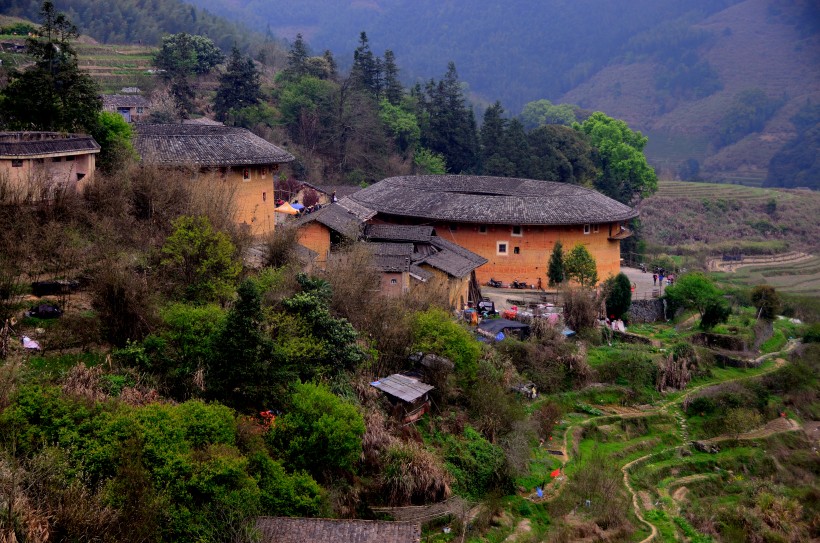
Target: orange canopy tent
point(287, 208)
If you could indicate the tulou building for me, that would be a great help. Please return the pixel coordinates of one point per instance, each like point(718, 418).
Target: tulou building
point(237, 155)
point(512, 223)
point(34, 164)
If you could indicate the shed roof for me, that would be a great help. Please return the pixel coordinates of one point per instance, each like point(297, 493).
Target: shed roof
point(125, 100)
point(491, 200)
point(402, 387)
point(204, 145)
point(397, 232)
point(323, 530)
point(36, 144)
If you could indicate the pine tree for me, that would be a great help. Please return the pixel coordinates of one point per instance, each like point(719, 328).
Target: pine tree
point(393, 90)
point(238, 86)
point(366, 71)
point(331, 64)
point(53, 94)
point(297, 58)
point(555, 272)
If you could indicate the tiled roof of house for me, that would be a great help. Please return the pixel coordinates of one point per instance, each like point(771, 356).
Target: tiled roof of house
point(391, 263)
point(204, 146)
point(437, 253)
point(125, 100)
point(35, 144)
point(491, 200)
point(321, 530)
point(344, 217)
point(453, 259)
point(397, 232)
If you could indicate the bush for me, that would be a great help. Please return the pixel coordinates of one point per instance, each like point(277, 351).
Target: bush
point(319, 431)
point(435, 332)
point(477, 465)
point(620, 295)
point(812, 333)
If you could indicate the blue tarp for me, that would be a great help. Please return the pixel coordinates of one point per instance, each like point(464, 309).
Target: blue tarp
point(297, 206)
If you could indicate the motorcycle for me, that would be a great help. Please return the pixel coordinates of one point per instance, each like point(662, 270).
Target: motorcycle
point(493, 283)
point(518, 284)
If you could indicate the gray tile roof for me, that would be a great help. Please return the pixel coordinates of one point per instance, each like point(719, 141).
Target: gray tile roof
point(420, 273)
point(34, 144)
point(391, 263)
point(323, 530)
point(204, 146)
point(491, 200)
point(396, 232)
point(125, 100)
point(344, 217)
point(402, 387)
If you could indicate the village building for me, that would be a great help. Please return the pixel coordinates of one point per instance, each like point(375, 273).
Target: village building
point(132, 107)
point(405, 256)
point(512, 223)
point(325, 530)
point(409, 396)
point(250, 163)
point(34, 164)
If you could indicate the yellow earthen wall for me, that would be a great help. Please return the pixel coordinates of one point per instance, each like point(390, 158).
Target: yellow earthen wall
point(316, 237)
point(254, 197)
point(47, 173)
point(535, 246)
point(391, 289)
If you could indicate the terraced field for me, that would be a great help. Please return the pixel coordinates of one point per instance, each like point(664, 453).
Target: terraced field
point(801, 277)
point(117, 66)
point(742, 193)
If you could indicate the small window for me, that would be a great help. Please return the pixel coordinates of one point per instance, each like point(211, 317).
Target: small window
point(586, 229)
point(139, 110)
point(263, 172)
point(595, 228)
point(246, 174)
point(516, 230)
point(16, 163)
point(40, 160)
point(482, 229)
point(516, 250)
point(70, 158)
point(264, 196)
point(502, 247)
point(394, 282)
point(57, 159)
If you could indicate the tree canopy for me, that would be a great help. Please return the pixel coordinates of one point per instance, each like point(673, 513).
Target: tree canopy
point(238, 87)
point(53, 94)
point(579, 266)
point(625, 174)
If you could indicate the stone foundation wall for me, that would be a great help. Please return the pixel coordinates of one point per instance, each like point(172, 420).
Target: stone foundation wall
point(646, 311)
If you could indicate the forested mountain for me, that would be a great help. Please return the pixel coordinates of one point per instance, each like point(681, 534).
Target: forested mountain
point(690, 74)
point(134, 21)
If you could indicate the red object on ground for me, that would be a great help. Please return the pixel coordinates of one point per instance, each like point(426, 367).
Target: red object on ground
point(555, 473)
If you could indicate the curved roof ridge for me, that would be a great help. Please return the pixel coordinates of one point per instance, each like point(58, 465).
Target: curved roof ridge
point(492, 200)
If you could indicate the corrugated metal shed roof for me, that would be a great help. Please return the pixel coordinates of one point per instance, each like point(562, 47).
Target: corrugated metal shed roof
point(402, 387)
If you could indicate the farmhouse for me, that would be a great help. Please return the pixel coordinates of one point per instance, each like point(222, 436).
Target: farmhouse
point(132, 107)
point(405, 255)
point(512, 223)
point(35, 163)
point(238, 156)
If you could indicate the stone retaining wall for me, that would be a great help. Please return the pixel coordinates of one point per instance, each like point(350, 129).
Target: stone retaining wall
point(646, 311)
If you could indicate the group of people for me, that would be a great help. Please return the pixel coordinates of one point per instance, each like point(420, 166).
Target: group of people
point(658, 276)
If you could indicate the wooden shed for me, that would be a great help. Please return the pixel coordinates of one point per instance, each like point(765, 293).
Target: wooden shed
point(408, 394)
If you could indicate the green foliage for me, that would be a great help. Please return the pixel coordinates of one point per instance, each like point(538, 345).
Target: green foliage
point(306, 96)
point(401, 125)
point(619, 297)
point(812, 333)
point(543, 112)
point(53, 94)
point(717, 311)
point(477, 465)
point(186, 54)
point(767, 301)
point(428, 162)
point(201, 260)
point(319, 431)
point(114, 135)
point(555, 270)
point(625, 174)
point(435, 332)
point(694, 291)
point(579, 266)
point(748, 113)
point(741, 419)
point(238, 86)
point(297, 495)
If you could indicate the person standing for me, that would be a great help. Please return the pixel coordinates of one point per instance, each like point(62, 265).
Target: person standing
point(654, 279)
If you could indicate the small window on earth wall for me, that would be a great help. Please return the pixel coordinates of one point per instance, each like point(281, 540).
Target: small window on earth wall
point(502, 247)
point(586, 229)
point(516, 231)
point(246, 174)
point(15, 163)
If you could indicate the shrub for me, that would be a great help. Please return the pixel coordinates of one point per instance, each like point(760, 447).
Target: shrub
point(319, 431)
point(435, 332)
point(767, 301)
point(411, 474)
point(619, 297)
